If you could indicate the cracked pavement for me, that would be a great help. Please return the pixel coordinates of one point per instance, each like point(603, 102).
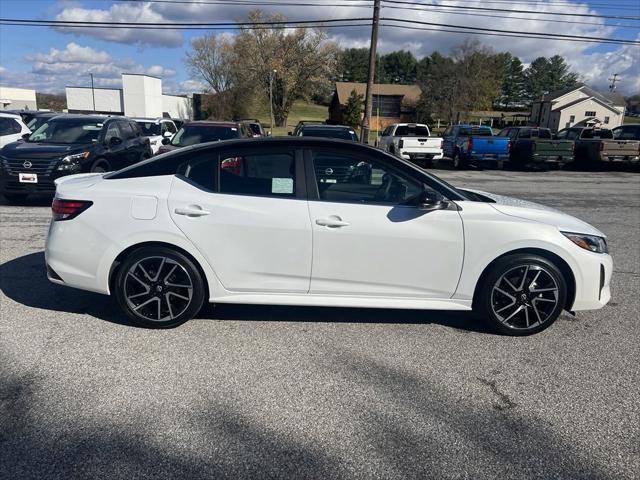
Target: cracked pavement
point(284, 392)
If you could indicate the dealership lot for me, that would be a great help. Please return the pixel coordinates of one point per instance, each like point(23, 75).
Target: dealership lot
point(281, 392)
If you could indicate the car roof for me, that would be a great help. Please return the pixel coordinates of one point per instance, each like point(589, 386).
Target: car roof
point(146, 119)
point(325, 127)
point(212, 123)
point(9, 115)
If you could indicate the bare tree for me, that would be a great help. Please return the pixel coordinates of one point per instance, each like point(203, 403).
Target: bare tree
point(298, 60)
point(211, 60)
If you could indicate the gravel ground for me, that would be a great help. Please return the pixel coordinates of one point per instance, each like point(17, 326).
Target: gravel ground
point(282, 392)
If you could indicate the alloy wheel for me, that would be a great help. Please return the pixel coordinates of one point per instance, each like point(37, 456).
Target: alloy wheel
point(158, 288)
point(525, 297)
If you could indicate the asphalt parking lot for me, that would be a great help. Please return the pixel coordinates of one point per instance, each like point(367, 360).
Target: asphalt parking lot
point(282, 392)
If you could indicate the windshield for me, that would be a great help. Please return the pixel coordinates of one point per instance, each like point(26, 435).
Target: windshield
point(67, 131)
point(341, 133)
point(36, 123)
point(412, 131)
point(476, 132)
point(194, 134)
point(149, 129)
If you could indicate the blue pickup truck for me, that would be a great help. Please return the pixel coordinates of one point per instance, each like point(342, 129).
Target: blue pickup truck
point(473, 144)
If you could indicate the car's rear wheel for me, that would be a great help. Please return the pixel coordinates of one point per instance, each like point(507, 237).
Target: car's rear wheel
point(100, 166)
point(521, 294)
point(15, 197)
point(158, 287)
point(458, 163)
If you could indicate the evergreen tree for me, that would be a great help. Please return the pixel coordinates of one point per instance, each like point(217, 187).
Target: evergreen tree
point(352, 110)
point(399, 67)
point(513, 91)
point(353, 65)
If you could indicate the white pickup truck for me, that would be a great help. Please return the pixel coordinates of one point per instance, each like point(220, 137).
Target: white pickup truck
point(411, 141)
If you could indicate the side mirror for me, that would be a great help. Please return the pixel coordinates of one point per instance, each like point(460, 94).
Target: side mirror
point(165, 141)
point(430, 201)
point(113, 141)
point(268, 133)
point(289, 133)
point(26, 136)
point(167, 134)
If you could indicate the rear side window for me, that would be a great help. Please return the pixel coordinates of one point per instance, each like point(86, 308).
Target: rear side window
point(9, 126)
point(268, 174)
point(627, 133)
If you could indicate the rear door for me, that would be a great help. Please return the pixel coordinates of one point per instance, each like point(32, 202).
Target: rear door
point(367, 239)
point(245, 210)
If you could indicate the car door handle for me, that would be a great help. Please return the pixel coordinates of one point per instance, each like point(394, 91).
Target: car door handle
point(333, 222)
point(191, 211)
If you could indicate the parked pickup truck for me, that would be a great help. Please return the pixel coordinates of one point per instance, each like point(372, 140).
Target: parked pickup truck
point(473, 144)
point(595, 145)
point(534, 146)
point(411, 141)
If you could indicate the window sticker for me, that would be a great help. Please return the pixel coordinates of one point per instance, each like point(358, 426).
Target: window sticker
point(282, 185)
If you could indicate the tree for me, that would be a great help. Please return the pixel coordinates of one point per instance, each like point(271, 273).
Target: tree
point(353, 109)
point(547, 75)
point(353, 65)
point(399, 67)
point(299, 61)
point(211, 60)
point(513, 91)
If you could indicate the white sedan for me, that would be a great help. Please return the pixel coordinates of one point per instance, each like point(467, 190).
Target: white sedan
point(310, 221)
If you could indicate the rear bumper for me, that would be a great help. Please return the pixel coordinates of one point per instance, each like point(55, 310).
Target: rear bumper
point(421, 155)
point(620, 158)
point(480, 158)
point(551, 158)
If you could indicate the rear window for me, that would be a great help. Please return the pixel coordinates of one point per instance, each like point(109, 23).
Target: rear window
point(412, 131)
point(342, 133)
point(596, 133)
point(536, 133)
point(476, 132)
point(630, 132)
point(194, 134)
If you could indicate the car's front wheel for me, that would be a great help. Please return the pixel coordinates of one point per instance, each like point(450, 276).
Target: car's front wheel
point(159, 287)
point(521, 294)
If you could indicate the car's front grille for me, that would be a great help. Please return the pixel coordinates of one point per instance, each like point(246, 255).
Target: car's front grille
point(40, 166)
point(15, 186)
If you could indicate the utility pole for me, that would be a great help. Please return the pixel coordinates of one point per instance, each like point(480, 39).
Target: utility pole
point(271, 74)
point(93, 93)
point(613, 80)
point(368, 104)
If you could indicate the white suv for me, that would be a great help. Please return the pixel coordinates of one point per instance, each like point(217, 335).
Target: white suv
point(156, 129)
point(12, 128)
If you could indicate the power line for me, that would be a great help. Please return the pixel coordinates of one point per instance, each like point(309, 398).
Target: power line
point(466, 7)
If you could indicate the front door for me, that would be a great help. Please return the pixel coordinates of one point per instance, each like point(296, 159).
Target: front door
point(369, 239)
point(245, 213)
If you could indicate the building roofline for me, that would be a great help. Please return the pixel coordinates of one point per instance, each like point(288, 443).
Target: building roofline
point(141, 75)
point(94, 88)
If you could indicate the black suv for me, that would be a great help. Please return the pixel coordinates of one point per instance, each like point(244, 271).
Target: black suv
point(65, 145)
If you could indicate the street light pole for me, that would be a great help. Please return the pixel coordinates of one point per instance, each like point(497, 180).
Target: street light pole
point(368, 105)
point(271, 74)
point(93, 93)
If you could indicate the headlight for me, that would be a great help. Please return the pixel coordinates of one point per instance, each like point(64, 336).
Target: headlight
point(72, 162)
point(588, 242)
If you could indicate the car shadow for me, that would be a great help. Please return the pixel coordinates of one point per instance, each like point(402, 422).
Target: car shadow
point(24, 281)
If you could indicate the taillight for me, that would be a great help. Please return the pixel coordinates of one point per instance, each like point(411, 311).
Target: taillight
point(509, 145)
point(601, 146)
point(400, 143)
point(470, 144)
point(533, 146)
point(441, 144)
point(68, 209)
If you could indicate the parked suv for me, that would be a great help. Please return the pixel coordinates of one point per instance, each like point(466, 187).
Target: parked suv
point(155, 129)
point(11, 128)
point(66, 145)
point(193, 133)
point(40, 118)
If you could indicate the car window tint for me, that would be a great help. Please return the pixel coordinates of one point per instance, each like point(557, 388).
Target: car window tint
point(170, 127)
point(8, 126)
point(411, 131)
point(202, 170)
point(127, 131)
point(352, 179)
point(269, 174)
point(627, 133)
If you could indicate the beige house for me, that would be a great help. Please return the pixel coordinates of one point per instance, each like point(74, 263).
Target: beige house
point(391, 103)
point(578, 106)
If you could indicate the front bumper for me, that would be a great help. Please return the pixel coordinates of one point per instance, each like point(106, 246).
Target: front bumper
point(593, 287)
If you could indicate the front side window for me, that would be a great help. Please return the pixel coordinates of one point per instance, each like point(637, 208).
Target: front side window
point(262, 174)
point(353, 179)
point(112, 132)
point(127, 130)
point(8, 126)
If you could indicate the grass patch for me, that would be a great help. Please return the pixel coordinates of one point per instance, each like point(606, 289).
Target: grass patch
point(301, 110)
point(629, 119)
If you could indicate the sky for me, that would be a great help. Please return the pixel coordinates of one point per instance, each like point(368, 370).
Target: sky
point(48, 58)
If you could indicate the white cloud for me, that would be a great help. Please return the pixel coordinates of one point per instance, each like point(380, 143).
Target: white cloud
point(73, 53)
point(121, 12)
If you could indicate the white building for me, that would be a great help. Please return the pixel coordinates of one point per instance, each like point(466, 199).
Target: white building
point(140, 96)
point(578, 106)
point(17, 99)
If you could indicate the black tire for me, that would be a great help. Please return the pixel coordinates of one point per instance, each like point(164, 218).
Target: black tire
point(521, 310)
point(158, 287)
point(100, 166)
point(15, 197)
point(459, 163)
